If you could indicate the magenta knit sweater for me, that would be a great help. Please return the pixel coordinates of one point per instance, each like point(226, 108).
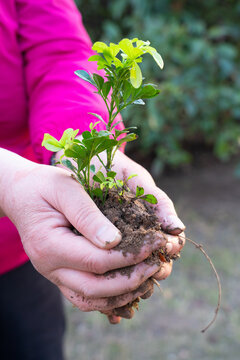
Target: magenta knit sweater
point(42, 43)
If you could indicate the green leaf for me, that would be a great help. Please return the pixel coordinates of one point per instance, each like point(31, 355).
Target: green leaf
point(98, 117)
point(119, 183)
point(68, 136)
point(92, 168)
point(157, 57)
point(127, 138)
point(98, 193)
point(106, 88)
point(105, 145)
point(131, 176)
point(85, 76)
point(75, 151)
point(149, 198)
point(149, 91)
point(69, 165)
point(139, 102)
point(135, 75)
point(126, 90)
point(99, 80)
point(82, 163)
point(99, 46)
point(139, 191)
point(86, 134)
point(111, 174)
point(99, 177)
point(116, 124)
point(98, 58)
point(51, 144)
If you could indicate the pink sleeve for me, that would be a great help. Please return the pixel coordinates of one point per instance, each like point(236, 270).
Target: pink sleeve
point(54, 44)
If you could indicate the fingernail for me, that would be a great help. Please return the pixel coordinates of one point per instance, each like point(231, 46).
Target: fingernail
point(107, 235)
point(174, 223)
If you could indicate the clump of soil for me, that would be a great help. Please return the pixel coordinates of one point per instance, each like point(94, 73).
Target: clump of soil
point(139, 226)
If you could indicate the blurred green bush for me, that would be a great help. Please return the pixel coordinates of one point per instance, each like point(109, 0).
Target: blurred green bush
point(199, 41)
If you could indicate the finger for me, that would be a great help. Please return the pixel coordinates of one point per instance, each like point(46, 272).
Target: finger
point(72, 200)
point(165, 210)
point(149, 292)
point(95, 286)
point(67, 250)
point(176, 243)
point(105, 305)
point(114, 319)
point(127, 312)
point(164, 271)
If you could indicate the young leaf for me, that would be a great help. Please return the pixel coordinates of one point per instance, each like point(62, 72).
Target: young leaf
point(68, 136)
point(126, 90)
point(98, 80)
point(69, 165)
point(116, 123)
point(99, 177)
point(106, 88)
point(131, 176)
point(92, 168)
point(97, 58)
point(51, 144)
point(98, 116)
point(149, 91)
point(85, 76)
point(111, 174)
point(99, 46)
point(127, 138)
point(149, 198)
point(98, 193)
point(135, 75)
point(86, 134)
point(139, 191)
point(119, 183)
point(75, 151)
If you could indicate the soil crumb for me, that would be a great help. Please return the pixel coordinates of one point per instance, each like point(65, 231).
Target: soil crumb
point(138, 224)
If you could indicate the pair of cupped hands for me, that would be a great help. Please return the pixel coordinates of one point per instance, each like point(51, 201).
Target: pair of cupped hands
point(44, 203)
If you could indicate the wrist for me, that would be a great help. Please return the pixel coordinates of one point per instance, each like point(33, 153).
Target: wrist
point(12, 168)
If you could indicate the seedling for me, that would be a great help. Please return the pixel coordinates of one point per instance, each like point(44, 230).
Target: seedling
point(121, 87)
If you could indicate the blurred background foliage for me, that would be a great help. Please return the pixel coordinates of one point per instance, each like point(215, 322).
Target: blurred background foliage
point(199, 106)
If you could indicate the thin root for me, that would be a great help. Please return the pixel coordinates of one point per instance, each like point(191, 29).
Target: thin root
point(158, 285)
point(198, 246)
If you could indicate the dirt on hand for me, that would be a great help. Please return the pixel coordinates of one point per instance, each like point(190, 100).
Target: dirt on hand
point(139, 226)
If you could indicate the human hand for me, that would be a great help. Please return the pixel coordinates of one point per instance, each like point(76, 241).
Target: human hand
point(43, 202)
point(165, 211)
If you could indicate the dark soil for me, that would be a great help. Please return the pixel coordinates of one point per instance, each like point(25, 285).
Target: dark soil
point(136, 221)
point(139, 226)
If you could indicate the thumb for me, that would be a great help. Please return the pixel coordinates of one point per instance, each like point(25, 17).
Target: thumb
point(80, 210)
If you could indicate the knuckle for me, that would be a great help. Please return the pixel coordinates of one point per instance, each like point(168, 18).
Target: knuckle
point(95, 265)
point(87, 289)
point(86, 215)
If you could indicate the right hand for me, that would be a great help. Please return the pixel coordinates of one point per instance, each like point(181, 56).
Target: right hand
point(43, 202)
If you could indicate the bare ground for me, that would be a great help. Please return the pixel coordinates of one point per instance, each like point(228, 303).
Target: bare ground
point(167, 327)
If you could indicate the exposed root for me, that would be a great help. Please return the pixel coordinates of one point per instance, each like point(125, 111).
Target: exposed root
point(198, 246)
point(157, 283)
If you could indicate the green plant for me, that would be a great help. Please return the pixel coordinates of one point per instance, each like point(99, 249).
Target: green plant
point(200, 102)
point(121, 87)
